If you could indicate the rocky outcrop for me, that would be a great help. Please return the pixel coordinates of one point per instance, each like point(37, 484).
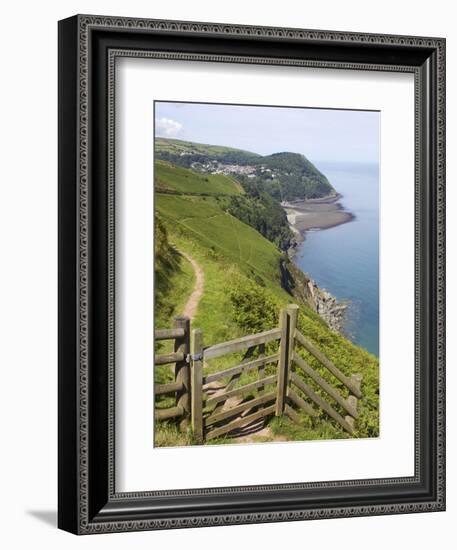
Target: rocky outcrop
point(328, 307)
point(306, 291)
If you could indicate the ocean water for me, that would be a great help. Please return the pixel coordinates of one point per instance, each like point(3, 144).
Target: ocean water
point(345, 259)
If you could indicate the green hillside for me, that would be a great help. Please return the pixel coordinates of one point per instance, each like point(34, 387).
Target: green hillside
point(169, 177)
point(256, 208)
point(173, 277)
point(242, 295)
point(222, 235)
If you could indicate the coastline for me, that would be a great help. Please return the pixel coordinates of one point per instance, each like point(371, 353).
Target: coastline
point(316, 214)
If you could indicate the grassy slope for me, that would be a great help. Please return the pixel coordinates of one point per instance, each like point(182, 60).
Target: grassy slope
point(170, 301)
point(182, 281)
point(231, 253)
point(171, 177)
point(221, 235)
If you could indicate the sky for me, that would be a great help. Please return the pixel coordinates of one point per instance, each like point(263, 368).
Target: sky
point(322, 135)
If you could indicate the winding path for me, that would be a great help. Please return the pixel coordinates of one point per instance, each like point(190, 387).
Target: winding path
point(190, 309)
point(258, 430)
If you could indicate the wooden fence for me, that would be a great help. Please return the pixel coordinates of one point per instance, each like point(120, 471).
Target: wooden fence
point(180, 387)
point(290, 384)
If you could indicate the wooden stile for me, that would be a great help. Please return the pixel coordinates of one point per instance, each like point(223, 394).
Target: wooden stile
point(190, 385)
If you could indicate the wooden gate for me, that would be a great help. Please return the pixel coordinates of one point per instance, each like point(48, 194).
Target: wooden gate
point(280, 380)
point(217, 419)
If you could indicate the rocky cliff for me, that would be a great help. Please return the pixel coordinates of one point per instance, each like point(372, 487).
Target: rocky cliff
point(306, 291)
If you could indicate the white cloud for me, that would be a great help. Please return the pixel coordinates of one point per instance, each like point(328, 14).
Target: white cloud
point(168, 127)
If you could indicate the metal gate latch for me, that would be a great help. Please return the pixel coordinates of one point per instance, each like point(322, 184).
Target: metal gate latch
point(194, 357)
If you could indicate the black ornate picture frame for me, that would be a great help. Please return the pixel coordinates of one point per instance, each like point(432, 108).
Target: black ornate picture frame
point(88, 47)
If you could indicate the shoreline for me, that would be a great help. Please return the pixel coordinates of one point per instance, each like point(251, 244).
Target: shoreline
point(315, 214)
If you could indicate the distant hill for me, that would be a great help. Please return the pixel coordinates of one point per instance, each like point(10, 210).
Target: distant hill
point(284, 176)
point(193, 151)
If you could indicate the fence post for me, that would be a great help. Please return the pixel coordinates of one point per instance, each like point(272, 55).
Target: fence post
point(196, 353)
point(356, 379)
point(287, 324)
point(182, 369)
point(292, 310)
point(282, 363)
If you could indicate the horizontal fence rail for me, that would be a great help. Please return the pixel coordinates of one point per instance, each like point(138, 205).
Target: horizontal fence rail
point(216, 405)
point(217, 432)
point(330, 390)
point(214, 418)
point(241, 343)
point(172, 387)
point(168, 358)
point(243, 389)
point(242, 367)
point(328, 364)
point(166, 414)
point(169, 333)
point(180, 387)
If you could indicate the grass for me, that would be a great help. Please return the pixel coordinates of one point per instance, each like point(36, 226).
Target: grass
point(220, 236)
point(182, 281)
point(242, 295)
point(168, 434)
point(170, 177)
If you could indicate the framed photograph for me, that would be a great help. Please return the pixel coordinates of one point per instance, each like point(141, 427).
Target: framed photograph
point(251, 274)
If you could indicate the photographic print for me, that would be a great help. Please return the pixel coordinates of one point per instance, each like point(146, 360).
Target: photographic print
point(237, 280)
point(266, 273)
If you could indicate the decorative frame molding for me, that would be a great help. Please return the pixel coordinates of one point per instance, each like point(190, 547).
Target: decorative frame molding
point(88, 502)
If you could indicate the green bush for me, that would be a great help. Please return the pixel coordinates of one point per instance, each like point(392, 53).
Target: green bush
point(253, 307)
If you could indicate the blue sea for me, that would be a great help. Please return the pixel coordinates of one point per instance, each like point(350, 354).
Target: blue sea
point(345, 259)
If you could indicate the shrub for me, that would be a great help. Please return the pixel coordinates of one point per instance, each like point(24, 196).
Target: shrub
point(253, 307)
